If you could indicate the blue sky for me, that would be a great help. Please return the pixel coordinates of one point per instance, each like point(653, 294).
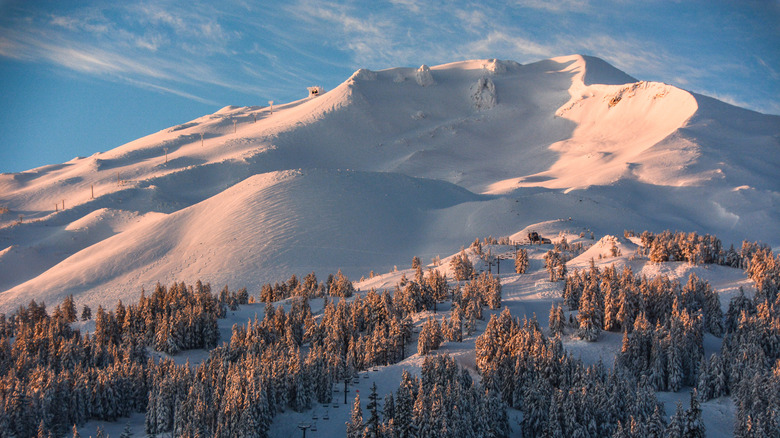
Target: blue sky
point(78, 77)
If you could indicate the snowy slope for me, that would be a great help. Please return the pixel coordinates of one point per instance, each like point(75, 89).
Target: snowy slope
point(525, 295)
point(389, 164)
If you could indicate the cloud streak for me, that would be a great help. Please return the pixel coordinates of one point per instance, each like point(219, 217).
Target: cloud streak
point(149, 49)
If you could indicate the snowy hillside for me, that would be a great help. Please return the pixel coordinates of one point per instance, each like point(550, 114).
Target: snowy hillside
point(528, 295)
point(389, 164)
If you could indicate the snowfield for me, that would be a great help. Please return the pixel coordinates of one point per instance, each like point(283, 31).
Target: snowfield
point(399, 163)
point(388, 165)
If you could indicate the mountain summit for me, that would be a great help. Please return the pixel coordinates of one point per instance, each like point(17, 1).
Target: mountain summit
point(387, 165)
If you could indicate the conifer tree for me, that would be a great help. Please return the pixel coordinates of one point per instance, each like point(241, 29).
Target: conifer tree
point(588, 316)
point(675, 371)
point(421, 424)
point(461, 266)
point(69, 309)
point(373, 423)
point(388, 407)
point(611, 308)
point(555, 265)
point(355, 425)
point(694, 426)
point(521, 261)
point(557, 320)
point(676, 425)
point(705, 384)
point(86, 313)
point(436, 283)
point(656, 426)
point(404, 407)
point(126, 432)
point(430, 337)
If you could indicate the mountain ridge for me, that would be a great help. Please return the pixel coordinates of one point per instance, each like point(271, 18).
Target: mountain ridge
point(506, 145)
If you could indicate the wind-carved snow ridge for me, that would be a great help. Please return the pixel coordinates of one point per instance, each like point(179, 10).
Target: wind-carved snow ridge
point(483, 94)
point(364, 74)
point(423, 76)
point(497, 66)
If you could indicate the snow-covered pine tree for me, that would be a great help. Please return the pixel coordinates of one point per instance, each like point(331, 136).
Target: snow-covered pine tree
point(694, 426)
point(521, 261)
point(557, 320)
point(430, 337)
point(555, 416)
point(355, 424)
point(675, 368)
point(552, 262)
point(388, 407)
point(713, 315)
point(536, 406)
point(461, 266)
point(497, 415)
point(69, 309)
point(404, 408)
point(656, 426)
point(372, 426)
point(126, 432)
point(611, 308)
point(705, 384)
point(436, 283)
point(676, 425)
point(421, 414)
point(86, 313)
point(588, 316)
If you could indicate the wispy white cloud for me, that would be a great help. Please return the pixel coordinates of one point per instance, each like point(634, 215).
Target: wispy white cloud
point(149, 47)
point(169, 90)
point(71, 54)
point(624, 53)
point(772, 72)
point(555, 6)
point(412, 5)
point(156, 15)
point(505, 42)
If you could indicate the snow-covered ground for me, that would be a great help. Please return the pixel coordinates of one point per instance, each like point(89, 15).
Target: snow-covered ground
point(526, 295)
point(388, 165)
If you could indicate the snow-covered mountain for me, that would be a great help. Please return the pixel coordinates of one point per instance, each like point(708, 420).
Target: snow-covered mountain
point(388, 165)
